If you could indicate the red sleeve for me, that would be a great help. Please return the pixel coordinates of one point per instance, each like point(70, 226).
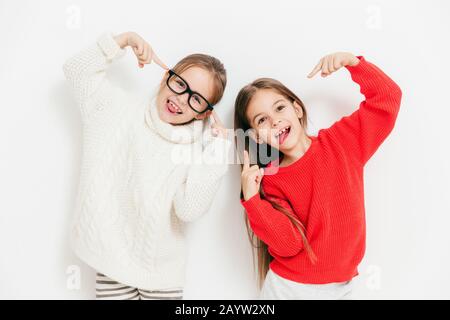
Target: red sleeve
point(362, 132)
point(272, 226)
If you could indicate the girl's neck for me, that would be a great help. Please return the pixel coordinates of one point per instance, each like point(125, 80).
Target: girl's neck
point(297, 152)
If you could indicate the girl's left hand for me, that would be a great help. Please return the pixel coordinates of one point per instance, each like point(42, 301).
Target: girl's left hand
point(217, 127)
point(333, 62)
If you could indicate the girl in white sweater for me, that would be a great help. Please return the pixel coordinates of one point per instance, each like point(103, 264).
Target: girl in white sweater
point(148, 165)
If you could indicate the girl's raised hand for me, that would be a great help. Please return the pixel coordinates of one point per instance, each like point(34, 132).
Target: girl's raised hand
point(217, 127)
point(333, 62)
point(251, 178)
point(141, 49)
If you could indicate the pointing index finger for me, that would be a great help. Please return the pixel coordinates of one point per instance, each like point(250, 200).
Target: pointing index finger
point(316, 69)
point(246, 160)
point(159, 62)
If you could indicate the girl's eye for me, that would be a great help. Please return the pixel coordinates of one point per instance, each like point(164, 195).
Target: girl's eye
point(197, 99)
point(180, 83)
point(261, 120)
point(280, 107)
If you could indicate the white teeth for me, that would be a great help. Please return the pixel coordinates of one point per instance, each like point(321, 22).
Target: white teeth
point(174, 106)
point(281, 131)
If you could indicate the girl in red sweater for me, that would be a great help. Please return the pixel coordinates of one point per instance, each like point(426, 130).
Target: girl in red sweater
point(306, 208)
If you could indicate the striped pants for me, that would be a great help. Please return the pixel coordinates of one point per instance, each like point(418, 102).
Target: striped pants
point(108, 289)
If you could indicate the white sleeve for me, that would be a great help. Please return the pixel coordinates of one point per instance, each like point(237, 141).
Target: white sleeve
point(195, 195)
point(86, 71)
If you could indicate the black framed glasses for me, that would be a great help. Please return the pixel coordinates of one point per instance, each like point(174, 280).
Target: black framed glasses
point(195, 100)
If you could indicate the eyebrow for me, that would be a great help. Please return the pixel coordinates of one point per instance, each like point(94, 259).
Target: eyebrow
point(272, 106)
point(190, 88)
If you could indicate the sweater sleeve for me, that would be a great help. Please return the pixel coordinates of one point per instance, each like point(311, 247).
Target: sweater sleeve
point(195, 195)
point(362, 132)
point(272, 226)
point(86, 71)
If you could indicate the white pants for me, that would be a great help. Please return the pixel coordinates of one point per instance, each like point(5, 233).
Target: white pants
point(278, 288)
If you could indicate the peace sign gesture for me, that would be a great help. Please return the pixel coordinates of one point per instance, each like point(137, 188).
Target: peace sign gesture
point(251, 178)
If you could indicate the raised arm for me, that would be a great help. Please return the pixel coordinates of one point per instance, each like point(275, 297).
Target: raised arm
point(194, 197)
point(270, 225)
point(86, 70)
point(362, 132)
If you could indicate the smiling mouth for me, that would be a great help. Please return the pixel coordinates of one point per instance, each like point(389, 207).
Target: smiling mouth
point(283, 134)
point(172, 107)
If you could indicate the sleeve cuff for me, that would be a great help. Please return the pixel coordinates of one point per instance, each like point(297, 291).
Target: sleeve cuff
point(361, 65)
point(110, 47)
point(250, 203)
point(254, 208)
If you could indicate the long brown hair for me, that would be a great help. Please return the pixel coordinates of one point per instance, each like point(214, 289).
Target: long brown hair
point(241, 123)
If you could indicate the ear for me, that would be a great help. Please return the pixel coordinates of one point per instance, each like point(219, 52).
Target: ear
point(203, 115)
point(298, 109)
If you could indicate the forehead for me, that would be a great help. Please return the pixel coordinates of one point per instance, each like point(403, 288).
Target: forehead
point(263, 101)
point(199, 80)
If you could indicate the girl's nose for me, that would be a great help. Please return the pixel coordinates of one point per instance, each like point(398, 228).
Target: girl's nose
point(183, 99)
point(275, 123)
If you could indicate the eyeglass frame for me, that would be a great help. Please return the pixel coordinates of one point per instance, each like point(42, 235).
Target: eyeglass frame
point(188, 90)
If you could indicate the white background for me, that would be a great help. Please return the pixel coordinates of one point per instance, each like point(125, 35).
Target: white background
point(407, 181)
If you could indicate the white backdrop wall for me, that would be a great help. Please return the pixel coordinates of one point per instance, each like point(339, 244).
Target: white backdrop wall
point(407, 181)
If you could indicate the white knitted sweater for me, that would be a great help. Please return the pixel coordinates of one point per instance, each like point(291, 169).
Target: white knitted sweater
point(135, 193)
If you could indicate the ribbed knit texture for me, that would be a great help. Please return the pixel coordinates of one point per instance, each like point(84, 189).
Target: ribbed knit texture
point(324, 189)
point(139, 180)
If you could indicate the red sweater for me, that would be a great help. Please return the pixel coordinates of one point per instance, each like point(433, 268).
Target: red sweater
point(324, 189)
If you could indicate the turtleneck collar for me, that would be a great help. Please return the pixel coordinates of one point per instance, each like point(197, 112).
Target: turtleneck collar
point(188, 133)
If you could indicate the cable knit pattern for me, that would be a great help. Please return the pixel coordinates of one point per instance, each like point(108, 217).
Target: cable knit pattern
point(325, 189)
point(141, 178)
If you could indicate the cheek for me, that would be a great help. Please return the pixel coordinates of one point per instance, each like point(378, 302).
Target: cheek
point(190, 113)
point(297, 127)
point(163, 94)
point(265, 135)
